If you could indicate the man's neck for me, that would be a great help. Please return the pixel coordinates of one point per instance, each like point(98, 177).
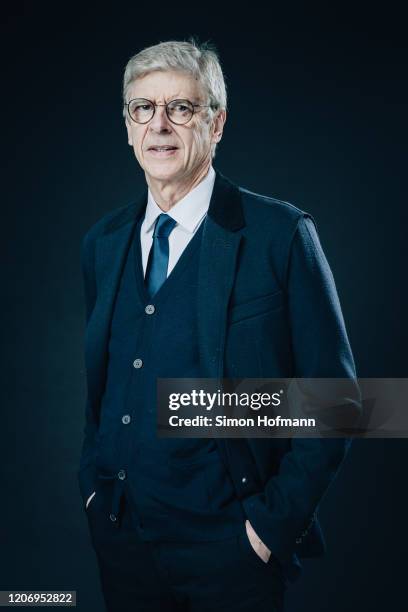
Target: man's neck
point(167, 194)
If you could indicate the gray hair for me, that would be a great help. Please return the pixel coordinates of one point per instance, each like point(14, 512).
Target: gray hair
point(198, 59)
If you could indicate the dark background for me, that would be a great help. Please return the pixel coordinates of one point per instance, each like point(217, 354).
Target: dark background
point(317, 105)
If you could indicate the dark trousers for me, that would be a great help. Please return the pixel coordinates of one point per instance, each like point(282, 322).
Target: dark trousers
point(138, 576)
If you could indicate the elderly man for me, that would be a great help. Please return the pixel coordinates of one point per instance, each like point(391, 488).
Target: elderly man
point(199, 278)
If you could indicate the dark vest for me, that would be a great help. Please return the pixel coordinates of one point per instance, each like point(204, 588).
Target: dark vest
point(178, 489)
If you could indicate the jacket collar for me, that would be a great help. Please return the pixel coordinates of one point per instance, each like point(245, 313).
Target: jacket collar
point(225, 207)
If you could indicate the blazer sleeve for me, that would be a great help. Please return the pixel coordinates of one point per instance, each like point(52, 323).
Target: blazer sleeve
point(320, 349)
point(87, 471)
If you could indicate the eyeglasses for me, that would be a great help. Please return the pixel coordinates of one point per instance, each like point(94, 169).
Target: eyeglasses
point(179, 112)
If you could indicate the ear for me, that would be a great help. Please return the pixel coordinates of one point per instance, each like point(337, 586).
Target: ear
point(218, 125)
point(129, 131)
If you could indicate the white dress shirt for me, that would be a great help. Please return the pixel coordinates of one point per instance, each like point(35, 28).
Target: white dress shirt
point(189, 212)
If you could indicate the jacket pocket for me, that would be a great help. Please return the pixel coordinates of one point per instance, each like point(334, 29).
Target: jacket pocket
point(256, 306)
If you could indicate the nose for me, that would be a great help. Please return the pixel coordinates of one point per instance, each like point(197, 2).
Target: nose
point(160, 122)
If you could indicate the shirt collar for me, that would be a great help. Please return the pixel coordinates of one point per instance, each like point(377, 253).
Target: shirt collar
point(188, 211)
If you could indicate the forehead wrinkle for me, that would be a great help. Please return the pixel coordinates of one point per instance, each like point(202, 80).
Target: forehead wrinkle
point(165, 99)
point(175, 96)
point(149, 88)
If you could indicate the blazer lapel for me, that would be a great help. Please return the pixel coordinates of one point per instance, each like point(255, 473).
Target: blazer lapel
point(110, 254)
point(218, 258)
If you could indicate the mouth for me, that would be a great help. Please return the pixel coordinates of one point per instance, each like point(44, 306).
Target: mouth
point(162, 148)
point(162, 151)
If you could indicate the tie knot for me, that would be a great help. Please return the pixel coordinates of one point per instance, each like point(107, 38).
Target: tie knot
point(164, 226)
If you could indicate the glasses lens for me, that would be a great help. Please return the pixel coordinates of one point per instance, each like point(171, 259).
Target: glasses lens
point(180, 111)
point(141, 110)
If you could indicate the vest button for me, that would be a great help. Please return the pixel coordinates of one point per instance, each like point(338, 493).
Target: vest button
point(126, 419)
point(121, 474)
point(149, 309)
point(112, 517)
point(243, 479)
point(137, 363)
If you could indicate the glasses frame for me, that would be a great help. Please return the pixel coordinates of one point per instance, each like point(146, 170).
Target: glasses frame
point(127, 104)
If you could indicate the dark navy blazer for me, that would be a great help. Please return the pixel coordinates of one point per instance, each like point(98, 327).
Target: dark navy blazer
point(267, 306)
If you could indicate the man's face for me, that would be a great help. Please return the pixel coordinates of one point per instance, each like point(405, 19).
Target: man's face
point(192, 141)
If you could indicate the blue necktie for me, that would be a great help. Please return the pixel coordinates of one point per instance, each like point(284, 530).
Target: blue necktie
point(156, 272)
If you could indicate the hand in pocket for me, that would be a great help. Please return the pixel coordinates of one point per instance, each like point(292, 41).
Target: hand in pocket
point(89, 500)
point(259, 547)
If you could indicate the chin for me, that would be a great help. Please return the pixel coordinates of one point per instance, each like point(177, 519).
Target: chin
point(163, 172)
